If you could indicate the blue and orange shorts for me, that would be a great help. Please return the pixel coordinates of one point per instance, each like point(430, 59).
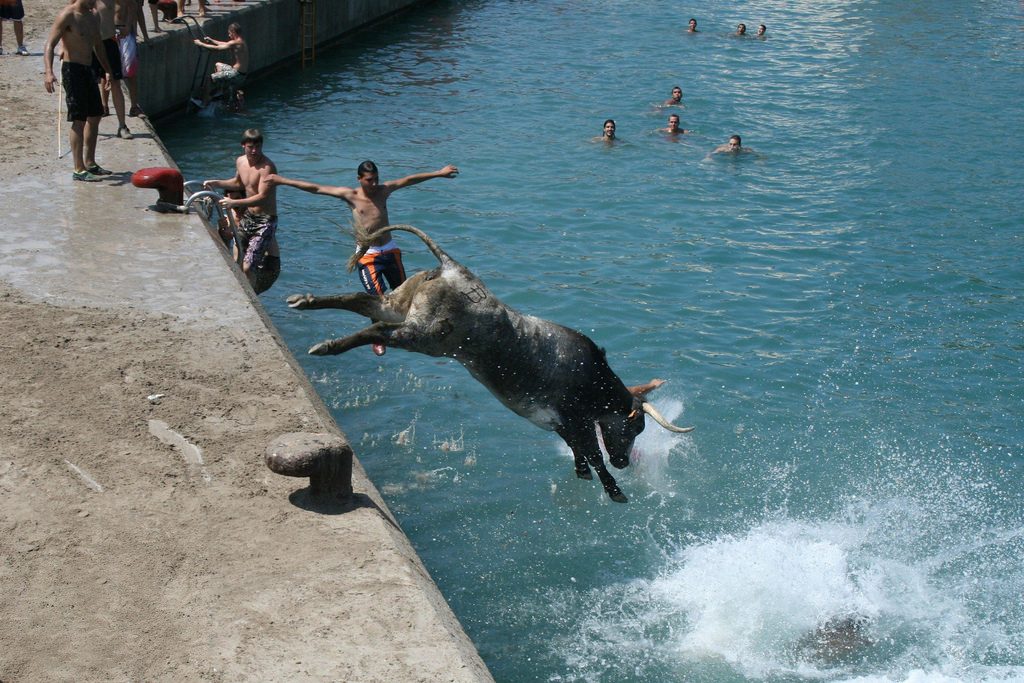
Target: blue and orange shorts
point(375, 268)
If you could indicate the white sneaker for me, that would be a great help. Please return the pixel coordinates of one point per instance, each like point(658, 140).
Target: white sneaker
point(23, 51)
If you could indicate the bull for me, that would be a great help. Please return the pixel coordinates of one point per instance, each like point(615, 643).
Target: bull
point(554, 376)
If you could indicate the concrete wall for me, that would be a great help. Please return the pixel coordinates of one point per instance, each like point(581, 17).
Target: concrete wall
point(168, 62)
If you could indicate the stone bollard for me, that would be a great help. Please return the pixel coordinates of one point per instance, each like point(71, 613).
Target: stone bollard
point(325, 458)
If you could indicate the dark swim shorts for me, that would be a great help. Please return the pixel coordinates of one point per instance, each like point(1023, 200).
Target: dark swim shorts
point(12, 10)
point(80, 91)
point(113, 56)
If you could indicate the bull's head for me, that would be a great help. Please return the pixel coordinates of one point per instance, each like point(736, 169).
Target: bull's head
point(620, 431)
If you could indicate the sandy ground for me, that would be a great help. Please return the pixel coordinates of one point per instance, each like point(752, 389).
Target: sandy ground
point(123, 554)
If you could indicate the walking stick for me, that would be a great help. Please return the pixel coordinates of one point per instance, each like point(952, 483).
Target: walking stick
point(59, 155)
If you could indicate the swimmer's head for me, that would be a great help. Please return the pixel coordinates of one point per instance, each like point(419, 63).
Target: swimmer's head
point(741, 29)
point(677, 93)
point(252, 135)
point(673, 122)
point(761, 29)
point(735, 142)
point(609, 128)
point(693, 24)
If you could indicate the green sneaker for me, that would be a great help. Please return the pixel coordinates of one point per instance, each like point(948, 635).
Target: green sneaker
point(85, 177)
point(96, 169)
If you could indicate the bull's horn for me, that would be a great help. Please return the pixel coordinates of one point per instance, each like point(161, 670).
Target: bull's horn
point(649, 409)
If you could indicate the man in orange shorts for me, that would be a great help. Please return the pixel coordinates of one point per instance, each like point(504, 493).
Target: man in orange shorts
point(379, 258)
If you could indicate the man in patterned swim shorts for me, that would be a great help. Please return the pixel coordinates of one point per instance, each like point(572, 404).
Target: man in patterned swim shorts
point(79, 29)
point(257, 227)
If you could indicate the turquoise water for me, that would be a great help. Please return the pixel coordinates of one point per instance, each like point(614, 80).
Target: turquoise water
point(840, 315)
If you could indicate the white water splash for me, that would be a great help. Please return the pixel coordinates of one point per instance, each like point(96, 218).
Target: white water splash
point(753, 603)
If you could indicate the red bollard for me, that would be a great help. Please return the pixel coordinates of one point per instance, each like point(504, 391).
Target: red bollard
point(167, 181)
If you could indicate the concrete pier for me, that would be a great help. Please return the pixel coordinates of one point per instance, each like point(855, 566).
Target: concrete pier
point(141, 535)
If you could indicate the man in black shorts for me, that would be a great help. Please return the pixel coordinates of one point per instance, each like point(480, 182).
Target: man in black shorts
point(79, 29)
point(14, 12)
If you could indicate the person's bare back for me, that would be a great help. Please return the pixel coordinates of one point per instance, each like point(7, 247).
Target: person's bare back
point(105, 10)
point(241, 55)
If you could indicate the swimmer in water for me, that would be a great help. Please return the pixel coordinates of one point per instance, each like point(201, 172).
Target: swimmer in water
point(741, 29)
point(761, 30)
point(676, 99)
point(608, 132)
point(673, 128)
point(734, 146)
point(693, 26)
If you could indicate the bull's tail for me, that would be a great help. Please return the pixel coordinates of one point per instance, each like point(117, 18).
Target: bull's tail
point(436, 250)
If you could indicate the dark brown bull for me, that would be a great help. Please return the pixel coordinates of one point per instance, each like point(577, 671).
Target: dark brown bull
point(555, 377)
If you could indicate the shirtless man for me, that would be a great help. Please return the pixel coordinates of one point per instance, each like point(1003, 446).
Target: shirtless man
point(223, 73)
point(110, 32)
point(677, 97)
point(79, 29)
point(673, 128)
point(607, 132)
point(734, 146)
point(261, 257)
point(128, 16)
point(379, 258)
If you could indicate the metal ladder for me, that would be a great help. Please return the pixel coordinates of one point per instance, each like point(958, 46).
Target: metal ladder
point(308, 30)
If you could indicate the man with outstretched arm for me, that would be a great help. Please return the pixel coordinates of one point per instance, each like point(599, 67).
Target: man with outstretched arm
point(78, 27)
point(378, 258)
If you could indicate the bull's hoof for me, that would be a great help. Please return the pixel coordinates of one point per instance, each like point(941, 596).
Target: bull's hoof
point(321, 349)
point(618, 497)
point(584, 474)
point(301, 301)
